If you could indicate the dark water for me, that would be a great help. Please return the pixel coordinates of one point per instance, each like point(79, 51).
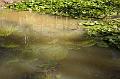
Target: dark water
point(33, 45)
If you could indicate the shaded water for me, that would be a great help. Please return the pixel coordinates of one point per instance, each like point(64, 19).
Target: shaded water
point(32, 45)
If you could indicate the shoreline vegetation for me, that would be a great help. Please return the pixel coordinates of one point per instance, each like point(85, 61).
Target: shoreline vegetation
point(102, 16)
point(98, 9)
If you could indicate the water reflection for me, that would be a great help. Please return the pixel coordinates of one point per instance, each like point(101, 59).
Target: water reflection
point(34, 46)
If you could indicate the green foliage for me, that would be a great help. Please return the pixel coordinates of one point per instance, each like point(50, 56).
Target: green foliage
point(73, 8)
point(106, 33)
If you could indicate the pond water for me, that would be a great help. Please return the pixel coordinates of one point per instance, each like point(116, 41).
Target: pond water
point(33, 45)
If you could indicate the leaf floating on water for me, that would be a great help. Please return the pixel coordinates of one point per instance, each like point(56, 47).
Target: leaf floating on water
point(89, 24)
point(102, 44)
point(88, 43)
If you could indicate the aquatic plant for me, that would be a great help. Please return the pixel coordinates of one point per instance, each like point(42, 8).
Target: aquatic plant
point(73, 8)
point(106, 33)
point(7, 30)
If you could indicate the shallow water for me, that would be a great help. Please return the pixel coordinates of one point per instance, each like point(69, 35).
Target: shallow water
point(29, 40)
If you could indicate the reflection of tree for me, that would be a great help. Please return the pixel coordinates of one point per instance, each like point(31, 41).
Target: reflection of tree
point(20, 52)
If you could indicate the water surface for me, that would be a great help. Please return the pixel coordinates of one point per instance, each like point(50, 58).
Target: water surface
point(29, 41)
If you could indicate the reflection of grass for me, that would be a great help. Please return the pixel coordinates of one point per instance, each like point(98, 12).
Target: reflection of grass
point(6, 31)
point(25, 59)
point(35, 68)
point(9, 45)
